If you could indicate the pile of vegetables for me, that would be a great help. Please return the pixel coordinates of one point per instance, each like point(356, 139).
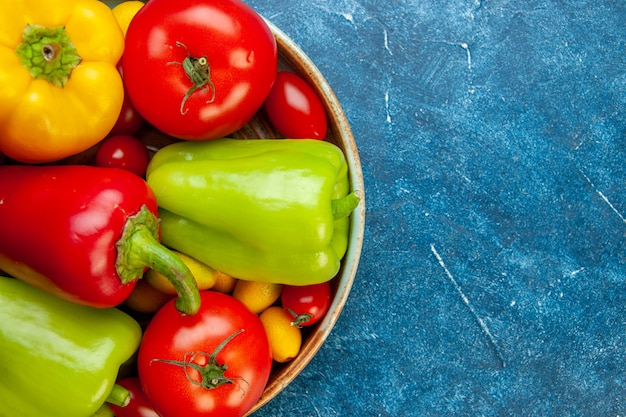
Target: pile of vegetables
point(152, 263)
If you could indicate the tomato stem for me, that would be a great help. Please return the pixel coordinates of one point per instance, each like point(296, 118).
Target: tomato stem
point(48, 53)
point(299, 319)
point(198, 71)
point(212, 373)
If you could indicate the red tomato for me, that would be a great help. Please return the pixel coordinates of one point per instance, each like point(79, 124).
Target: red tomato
point(178, 351)
point(198, 69)
point(129, 121)
point(123, 151)
point(306, 304)
point(139, 405)
point(295, 109)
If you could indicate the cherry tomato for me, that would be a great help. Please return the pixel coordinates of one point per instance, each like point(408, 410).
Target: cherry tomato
point(123, 151)
point(306, 304)
point(215, 362)
point(139, 405)
point(129, 121)
point(295, 109)
point(198, 69)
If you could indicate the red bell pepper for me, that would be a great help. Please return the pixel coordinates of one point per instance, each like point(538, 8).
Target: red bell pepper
point(85, 234)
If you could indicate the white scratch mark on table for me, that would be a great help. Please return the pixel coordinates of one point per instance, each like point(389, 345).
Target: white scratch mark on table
point(469, 55)
point(577, 271)
point(387, 106)
point(348, 16)
point(274, 16)
point(463, 45)
point(386, 41)
point(603, 197)
point(606, 200)
point(480, 321)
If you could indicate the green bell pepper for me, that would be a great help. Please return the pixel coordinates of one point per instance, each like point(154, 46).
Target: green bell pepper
point(271, 210)
point(57, 358)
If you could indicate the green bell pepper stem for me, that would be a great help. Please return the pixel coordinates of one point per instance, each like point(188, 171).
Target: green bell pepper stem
point(159, 258)
point(344, 206)
point(119, 396)
point(139, 247)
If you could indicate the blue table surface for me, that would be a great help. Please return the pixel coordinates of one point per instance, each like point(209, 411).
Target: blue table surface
point(492, 277)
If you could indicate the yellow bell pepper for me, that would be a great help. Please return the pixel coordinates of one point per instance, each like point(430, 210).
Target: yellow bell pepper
point(60, 90)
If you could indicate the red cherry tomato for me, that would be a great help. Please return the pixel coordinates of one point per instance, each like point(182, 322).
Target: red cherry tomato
point(123, 151)
point(306, 304)
point(198, 69)
point(213, 363)
point(129, 121)
point(139, 405)
point(295, 109)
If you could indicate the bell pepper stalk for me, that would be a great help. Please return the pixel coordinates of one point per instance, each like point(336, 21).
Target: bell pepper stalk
point(60, 359)
point(104, 411)
point(60, 90)
point(85, 234)
point(270, 210)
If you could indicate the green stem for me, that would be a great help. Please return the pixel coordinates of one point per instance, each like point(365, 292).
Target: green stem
point(119, 396)
point(299, 319)
point(48, 53)
point(342, 207)
point(212, 373)
point(198, 71)
point(139, 248)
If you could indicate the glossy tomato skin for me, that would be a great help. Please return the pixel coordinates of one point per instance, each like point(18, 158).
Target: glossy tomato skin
point(241, 53)
point(295, 109)
point(125, 152)
point(139, 405)
point(129, 121)
point(172, 336)
point(306, 304)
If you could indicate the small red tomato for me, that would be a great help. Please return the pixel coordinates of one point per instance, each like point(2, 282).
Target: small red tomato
point(139, 405)
point(306, 304)
point(123, 151)
point(295, 109)
point(129, 121)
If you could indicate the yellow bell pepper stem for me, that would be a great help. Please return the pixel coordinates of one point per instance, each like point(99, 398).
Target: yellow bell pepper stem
point(48, 53)
point(60, 90)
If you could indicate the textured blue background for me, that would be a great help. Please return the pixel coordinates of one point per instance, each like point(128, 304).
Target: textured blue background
point(492, 139)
